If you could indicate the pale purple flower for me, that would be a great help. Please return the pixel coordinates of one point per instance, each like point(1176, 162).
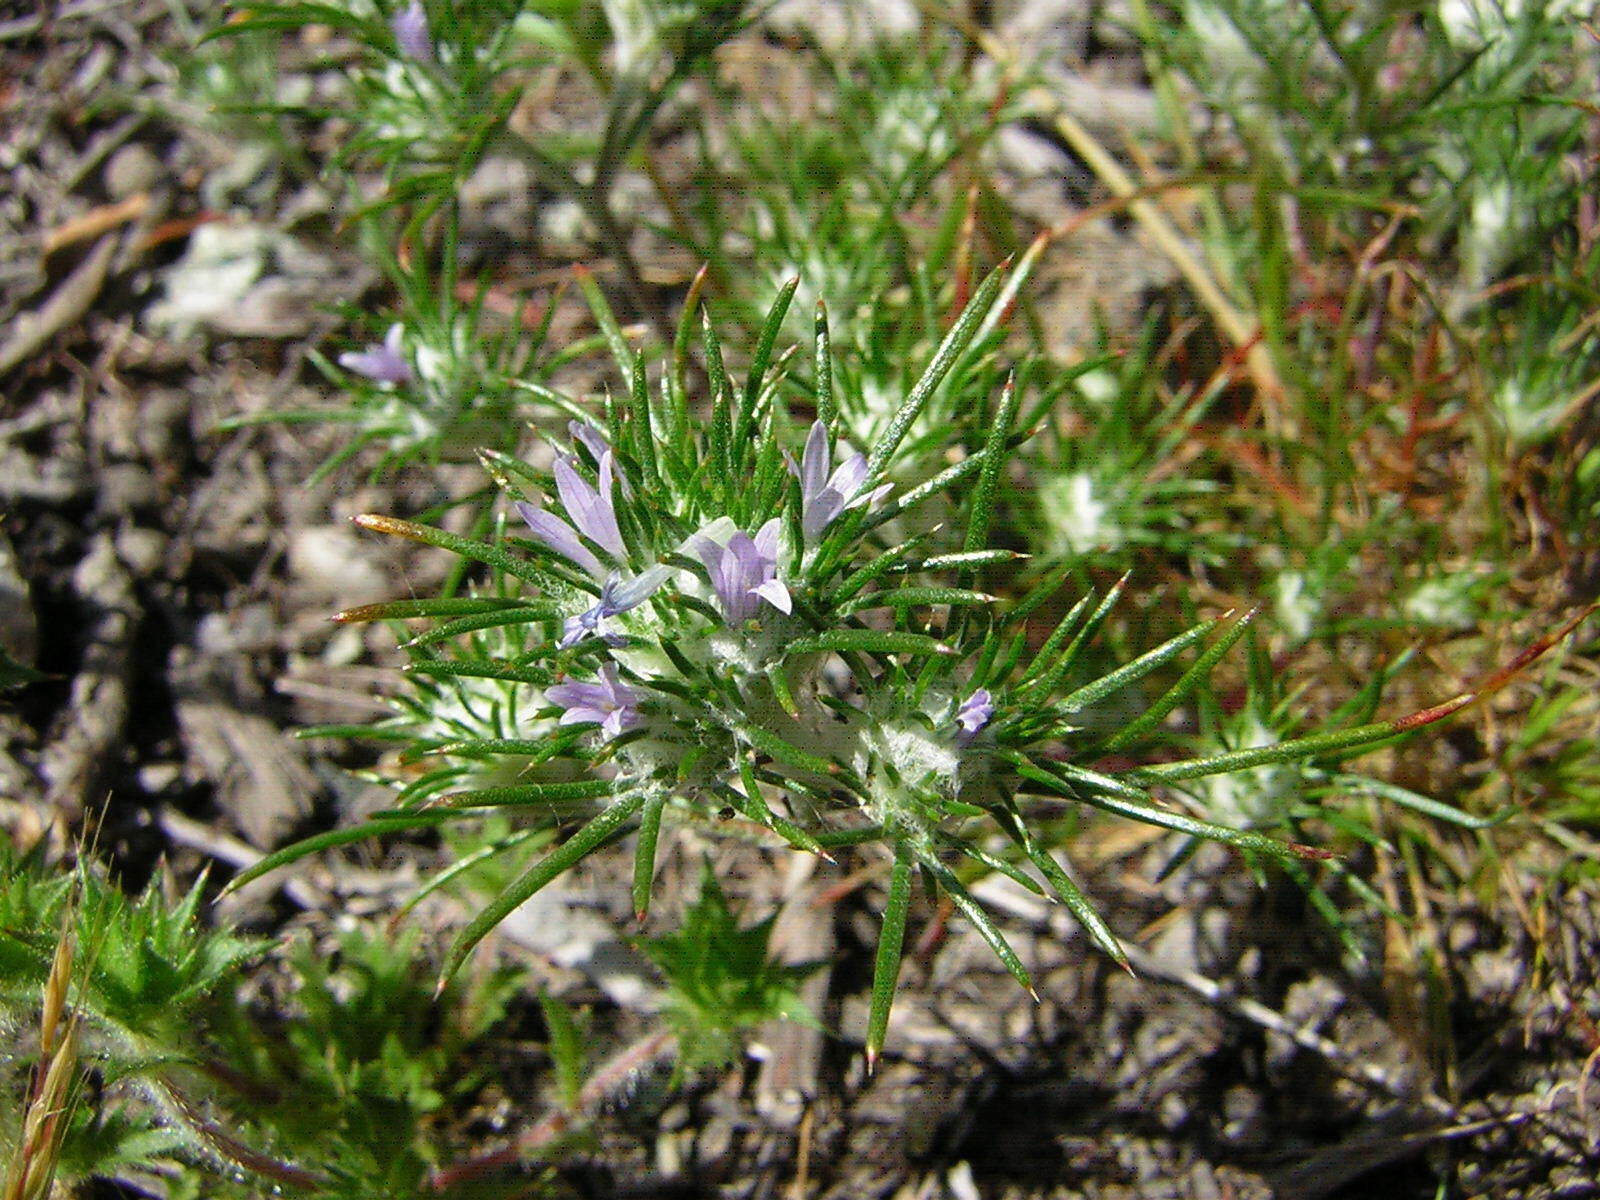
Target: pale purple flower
point(973, 714)
point(591, 509)
point(616, 596)
point(560, 537)
point(410, 26)
point(594, 513)
point(591, 437)
point(822, 496)
point(610, 703)
point(385, 362)
point(744, 572)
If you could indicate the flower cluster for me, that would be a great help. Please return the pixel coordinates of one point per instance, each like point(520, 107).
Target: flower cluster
point(704, 621)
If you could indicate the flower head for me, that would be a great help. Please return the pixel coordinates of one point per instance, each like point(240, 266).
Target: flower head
point(410, 27)
point(822, 496)
point(385, 362)
point(973, 714)
point(744, 572)
point(610, 703)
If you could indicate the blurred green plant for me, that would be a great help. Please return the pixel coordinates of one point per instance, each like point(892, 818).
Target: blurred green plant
point(721, 981)
point(336, 1093)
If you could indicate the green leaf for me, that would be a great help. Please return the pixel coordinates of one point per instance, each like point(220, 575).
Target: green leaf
point(759, 362)
point(1192, 679)
point(981, 507)
point(482, 552)
point(580, 845)
point(1313, 746)
point(915, 597)
point(886, 960)
point(867, 641)
point(784, 751)
point(1093, 693)
point(527, 795)
point(607, 321)
point(950, 349)
point(827, 405)
point(315, 844)
point(993, 861)
point(644, 853)
point(974, 912)
point(526, 615)
point(565, 1045)
point(450, 606)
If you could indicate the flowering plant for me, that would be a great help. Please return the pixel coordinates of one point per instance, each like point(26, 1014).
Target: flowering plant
point(703, 625)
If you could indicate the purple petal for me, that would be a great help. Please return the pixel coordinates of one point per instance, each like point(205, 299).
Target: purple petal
point(814, 464)
point(591, 437)
point(633, 592)
point(609, 703)
point(776, 594)
point(872, 497)
point(560, 537)
point(589, 509)
point(973, 714)
point(819, 514)
point(766, 540)
point(575, 695)
point(750, 565)
point(382, 363)
point(848, 478)
point(619, 692)
point(410, 27)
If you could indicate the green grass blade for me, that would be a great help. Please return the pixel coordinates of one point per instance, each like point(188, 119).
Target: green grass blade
point(974, 912)
point(577, 847)
point(1178, 692)
point(950, 349)
point(606, 319)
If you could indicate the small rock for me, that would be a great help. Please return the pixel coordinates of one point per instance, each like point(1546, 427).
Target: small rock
point(132, 169)
point(19, 629)
point(159, 776)
point(143, 550)
point(124, 487)
point(331, 562)
point(247, 629)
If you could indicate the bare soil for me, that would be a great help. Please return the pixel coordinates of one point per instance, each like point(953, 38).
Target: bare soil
point(174, 581)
